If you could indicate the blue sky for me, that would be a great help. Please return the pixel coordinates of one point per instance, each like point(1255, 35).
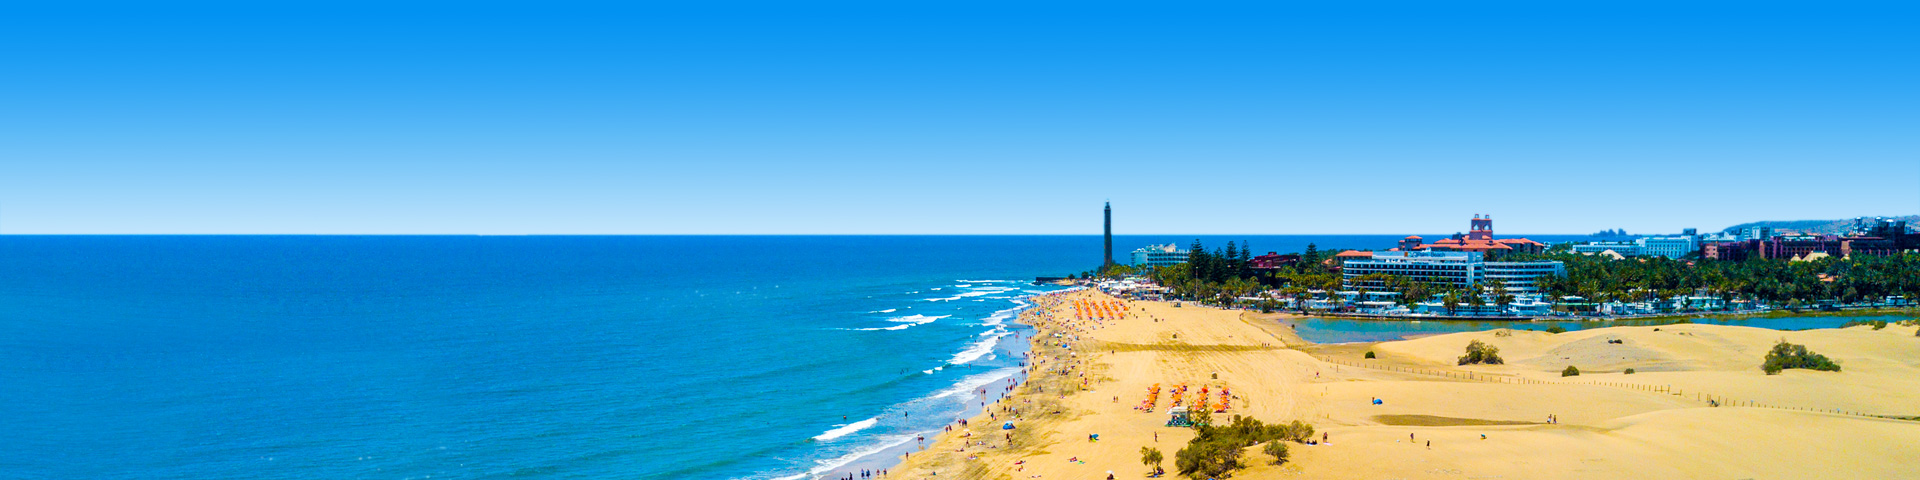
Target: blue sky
point(961, 117)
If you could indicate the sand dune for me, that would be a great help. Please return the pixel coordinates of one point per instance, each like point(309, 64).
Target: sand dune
point(1655, 423)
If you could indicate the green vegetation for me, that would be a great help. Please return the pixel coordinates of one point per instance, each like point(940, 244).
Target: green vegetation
point(1222, 275)
point(1786, 355)
point(1629, 371)
point(1215, 452)
point(1278, 450)
point(1556, 330)
point(1570, 372)
point(1481, 353)
point(1856, 278)
point(1370, 354)
point(1876, 324)
point(1151, 457)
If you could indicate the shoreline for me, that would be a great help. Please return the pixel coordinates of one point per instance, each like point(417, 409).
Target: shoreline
point(1020, 341)
point(1030, 418)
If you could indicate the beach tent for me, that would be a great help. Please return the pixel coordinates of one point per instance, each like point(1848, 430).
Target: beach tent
point(1177, 417)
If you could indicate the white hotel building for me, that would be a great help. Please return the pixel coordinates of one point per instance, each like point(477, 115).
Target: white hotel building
point(1159, 256)
point(1462, 270)
point(1670, 247)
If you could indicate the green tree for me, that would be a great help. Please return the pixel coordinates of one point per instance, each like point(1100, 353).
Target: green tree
point(1278, 450)
point(1230, 258)
point(1151, 457)
point(1207, 459)
point(1245, 261)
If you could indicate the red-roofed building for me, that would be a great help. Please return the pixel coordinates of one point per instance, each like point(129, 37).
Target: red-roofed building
point(1336, 261)
point(1478, 239)
point(1274, 260)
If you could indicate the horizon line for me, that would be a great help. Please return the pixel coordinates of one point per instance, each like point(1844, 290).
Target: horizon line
point(709, 234)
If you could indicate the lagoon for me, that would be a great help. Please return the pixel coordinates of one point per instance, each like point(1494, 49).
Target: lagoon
point(1350, 330)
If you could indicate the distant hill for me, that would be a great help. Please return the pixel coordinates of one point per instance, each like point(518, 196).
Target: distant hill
point(1815, 226)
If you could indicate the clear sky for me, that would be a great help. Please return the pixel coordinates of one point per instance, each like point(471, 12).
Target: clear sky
point(952, 117)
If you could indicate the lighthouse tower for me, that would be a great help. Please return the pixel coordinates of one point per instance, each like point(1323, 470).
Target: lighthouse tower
point(1109, 256)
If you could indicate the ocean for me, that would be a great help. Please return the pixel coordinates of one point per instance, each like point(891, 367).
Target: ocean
point(412, 357)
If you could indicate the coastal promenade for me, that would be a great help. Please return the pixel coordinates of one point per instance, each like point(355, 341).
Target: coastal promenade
point(1089, 377)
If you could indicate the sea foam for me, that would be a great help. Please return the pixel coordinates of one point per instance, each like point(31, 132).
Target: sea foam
point(906, 322)
point(975, 381)
point(834, 464)
point(846, 429)
point(980, 348)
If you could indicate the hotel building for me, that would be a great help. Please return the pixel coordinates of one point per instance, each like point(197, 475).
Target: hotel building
point(1159, 256)
point(1670, 247)
point(1462, 270)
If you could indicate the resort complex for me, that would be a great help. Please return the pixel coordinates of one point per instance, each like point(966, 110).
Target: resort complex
point(1476, 274)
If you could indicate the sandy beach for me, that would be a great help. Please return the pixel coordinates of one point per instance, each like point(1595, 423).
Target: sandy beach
point(1089, 377)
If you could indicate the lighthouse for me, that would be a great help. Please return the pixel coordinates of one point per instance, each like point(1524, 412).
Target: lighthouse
point(1109, 257)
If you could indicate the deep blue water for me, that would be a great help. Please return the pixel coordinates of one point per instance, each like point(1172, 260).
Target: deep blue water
point(538, 357)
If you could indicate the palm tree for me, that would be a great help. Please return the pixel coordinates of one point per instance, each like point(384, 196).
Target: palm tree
point(1300, 297)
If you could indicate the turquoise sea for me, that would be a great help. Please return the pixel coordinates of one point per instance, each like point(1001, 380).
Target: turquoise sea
point(401, 357)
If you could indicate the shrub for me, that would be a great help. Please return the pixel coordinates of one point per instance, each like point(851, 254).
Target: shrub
point(1629, 371)
point(1786, 355)
point(1570, 372)
point(1370, 354)
point(1298, 431)
point(1211, 458)
point(1478, 353)
point(1278, 450)
point(1200, 417)
point(1215, 450)
point(1876, 324)
point(1556, 330)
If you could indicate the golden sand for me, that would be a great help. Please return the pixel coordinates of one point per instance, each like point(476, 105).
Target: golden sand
point(1655, 423)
